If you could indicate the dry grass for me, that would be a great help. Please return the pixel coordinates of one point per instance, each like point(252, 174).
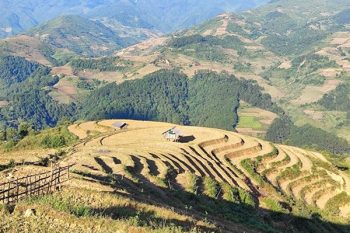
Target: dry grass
point(312, 94)
point(27, 47)
point(24, 156)
point(64, 91)
point(62, 70)
point(104, 213)
point(142, 156)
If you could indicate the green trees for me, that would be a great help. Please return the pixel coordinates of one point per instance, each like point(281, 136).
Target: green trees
point(207, 99)
point(284, 131)
point(159, 96)
point(308, 135)
point(15, 69)
point(213, 100)
point(102, 64)
point(26, 89)
point(207, 47)
point(296, 42)
point(279, 130)
point(338, 99)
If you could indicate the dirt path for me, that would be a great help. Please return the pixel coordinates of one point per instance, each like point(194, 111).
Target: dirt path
point(306, 164)
point(280, 157)
point(76, 130)
point(309, 195)
point(331, 192)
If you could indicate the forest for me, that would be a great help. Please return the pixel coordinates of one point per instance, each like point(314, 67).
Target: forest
point(102, 64)
point(284, 131)
point(207, 47)
point(338, 99)
point(15, 69)
point(207, 99)
point(28, 96)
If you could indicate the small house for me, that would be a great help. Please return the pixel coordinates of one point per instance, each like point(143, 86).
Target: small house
point(120, 125)
point(173, 134)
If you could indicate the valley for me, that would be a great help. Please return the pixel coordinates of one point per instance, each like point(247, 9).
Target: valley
point(176, 116)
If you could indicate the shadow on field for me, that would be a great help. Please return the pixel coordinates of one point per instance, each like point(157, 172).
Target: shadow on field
point(225, 215)
point(186, 139)
point(144, 218)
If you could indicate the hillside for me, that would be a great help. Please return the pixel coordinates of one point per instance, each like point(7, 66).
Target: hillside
point(273, 45)
point(260, 99)
point(79, 35)
point(212, 181)
point(18, 16)
point(311, 59)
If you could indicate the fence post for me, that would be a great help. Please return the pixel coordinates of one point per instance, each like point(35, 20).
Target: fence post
point(17, 190)
point(27, 186)
point(50, 182)
point(59, 178)
point(38, 186)
point(55, 179)
point(33, 185)
point(4, 194)
point(8, 192)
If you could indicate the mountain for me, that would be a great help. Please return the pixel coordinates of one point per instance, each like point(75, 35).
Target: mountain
point(240, 123)
point(78, 34)
point(297, 53)
point(273, 45)
point(18, 15)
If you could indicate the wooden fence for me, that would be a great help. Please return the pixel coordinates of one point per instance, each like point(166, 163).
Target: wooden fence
point(33, 185)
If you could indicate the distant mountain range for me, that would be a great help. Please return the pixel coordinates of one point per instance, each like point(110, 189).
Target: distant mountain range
point(284, 45)
point(165, 16)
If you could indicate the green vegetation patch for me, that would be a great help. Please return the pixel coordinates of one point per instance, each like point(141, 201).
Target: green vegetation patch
point(282, 130)
point(207, 47)
point(250, 166)
point(210, 187)
point(274, 205)
point(100, 64)
point(249, 122)
point(337, 201)
point(208, 99)
point(15, 69)
point(63, 204)
point(295, 42)
point(50, 138)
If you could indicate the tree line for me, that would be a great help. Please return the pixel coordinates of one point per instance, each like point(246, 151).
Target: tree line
point(283, 131)
point(207, 99)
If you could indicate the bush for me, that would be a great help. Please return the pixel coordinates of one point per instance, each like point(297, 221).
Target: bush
point(250, 167)
point(54, 141)
point(210, 187)
point(50, 138)
point(274, 205)
point(246, 198)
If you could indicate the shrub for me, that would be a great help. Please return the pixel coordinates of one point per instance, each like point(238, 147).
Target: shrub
point(54, 141)
point(210, 187)
point(273, 205)
point(246, 198)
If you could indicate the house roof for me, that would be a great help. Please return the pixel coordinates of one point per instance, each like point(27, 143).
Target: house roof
point(173, 130)
point(119, 124)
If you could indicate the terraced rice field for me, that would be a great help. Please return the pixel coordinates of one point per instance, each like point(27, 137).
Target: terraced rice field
point(141, 153)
